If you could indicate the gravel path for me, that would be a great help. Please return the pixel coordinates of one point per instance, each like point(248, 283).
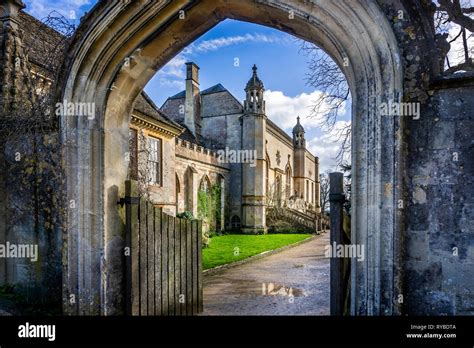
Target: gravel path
point(292, 282)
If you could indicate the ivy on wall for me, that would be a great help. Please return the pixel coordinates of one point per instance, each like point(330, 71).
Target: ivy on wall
point(209, 208)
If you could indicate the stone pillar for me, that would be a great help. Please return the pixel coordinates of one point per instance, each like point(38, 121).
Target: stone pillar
point(336, 199)
point(253, 176)
point(317, 187)
point(191, 190)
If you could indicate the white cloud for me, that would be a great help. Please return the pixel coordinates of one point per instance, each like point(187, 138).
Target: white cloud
point(215, 44)
point(283, 109)
point(173, 73)
point(327, 147)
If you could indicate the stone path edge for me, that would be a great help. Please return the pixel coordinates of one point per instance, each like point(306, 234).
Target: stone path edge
point(227, 266)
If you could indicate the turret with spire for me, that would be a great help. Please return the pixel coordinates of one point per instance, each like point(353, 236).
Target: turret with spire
point(299, 159)
point(299, 140)
point(254, 94)
point(254, 125)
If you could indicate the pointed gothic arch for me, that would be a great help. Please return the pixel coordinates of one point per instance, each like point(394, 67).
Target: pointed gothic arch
point(205, 184)
point(177, 192)
point(288, 181)
point(120, 45)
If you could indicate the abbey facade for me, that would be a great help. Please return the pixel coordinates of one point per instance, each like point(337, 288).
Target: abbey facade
point(207, 142)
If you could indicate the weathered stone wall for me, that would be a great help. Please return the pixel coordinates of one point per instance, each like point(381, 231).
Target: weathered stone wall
point(439, 259)
point(195, 161)
point(220, 115)
point(435, 198)
point(221, 127)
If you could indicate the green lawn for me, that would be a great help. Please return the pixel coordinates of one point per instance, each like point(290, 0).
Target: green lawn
point(235, 247)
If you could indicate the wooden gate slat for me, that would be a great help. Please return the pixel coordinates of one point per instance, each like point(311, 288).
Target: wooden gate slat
point(189, 270)
point(194, 266)
point(158, 281)
point(143, 259)
point(183, 265)
point(177, 266)
point(164, 264)
point(151, 259)
point(199, 267)
point(171, 291)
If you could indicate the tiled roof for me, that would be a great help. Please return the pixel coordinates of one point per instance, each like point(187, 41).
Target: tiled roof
point(145, 105)
point(180, 95)
point(214, 89)
point(43, 45)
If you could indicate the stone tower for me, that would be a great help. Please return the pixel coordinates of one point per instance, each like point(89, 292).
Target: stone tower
point(254, 124)
point(299, 144)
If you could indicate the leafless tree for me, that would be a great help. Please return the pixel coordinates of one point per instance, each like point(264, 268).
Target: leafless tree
point(326, 76)
point(456, 14)
point(324, 191)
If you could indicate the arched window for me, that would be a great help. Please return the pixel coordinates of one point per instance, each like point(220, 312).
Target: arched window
point(278, 190)
point(288, 182)
point(307, 190)
point(177, 192)
point(235, 223)
point(205, 184)
point(267, 175)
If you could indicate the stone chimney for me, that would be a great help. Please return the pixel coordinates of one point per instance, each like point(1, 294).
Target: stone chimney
point(192, 108)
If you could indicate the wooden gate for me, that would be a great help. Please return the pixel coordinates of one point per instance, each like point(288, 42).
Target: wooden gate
point(164, 266)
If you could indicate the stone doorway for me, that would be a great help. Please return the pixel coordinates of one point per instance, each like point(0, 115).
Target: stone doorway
point(121, 45)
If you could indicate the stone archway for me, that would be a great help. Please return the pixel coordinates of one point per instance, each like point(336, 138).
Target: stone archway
point(121, 45)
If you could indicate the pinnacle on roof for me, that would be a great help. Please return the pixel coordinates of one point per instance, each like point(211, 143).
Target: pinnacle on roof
point(254, 82)
point(298, 128)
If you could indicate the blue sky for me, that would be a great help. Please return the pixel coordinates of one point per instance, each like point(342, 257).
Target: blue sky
point(281, 67)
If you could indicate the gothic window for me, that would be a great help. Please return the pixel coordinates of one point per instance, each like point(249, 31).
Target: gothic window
point(288, 182)
point(178, 190)
point(278, 190)
point(235, 223)
point(307, 190)
point(205, 184)
point(154, 161)
point(267, 175)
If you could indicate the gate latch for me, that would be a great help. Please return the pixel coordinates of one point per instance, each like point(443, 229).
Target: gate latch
point(128, 200)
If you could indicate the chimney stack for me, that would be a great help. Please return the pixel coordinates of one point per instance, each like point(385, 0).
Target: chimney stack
point(192, 109)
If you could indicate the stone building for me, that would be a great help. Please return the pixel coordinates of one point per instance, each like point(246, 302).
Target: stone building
point(218, 141)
